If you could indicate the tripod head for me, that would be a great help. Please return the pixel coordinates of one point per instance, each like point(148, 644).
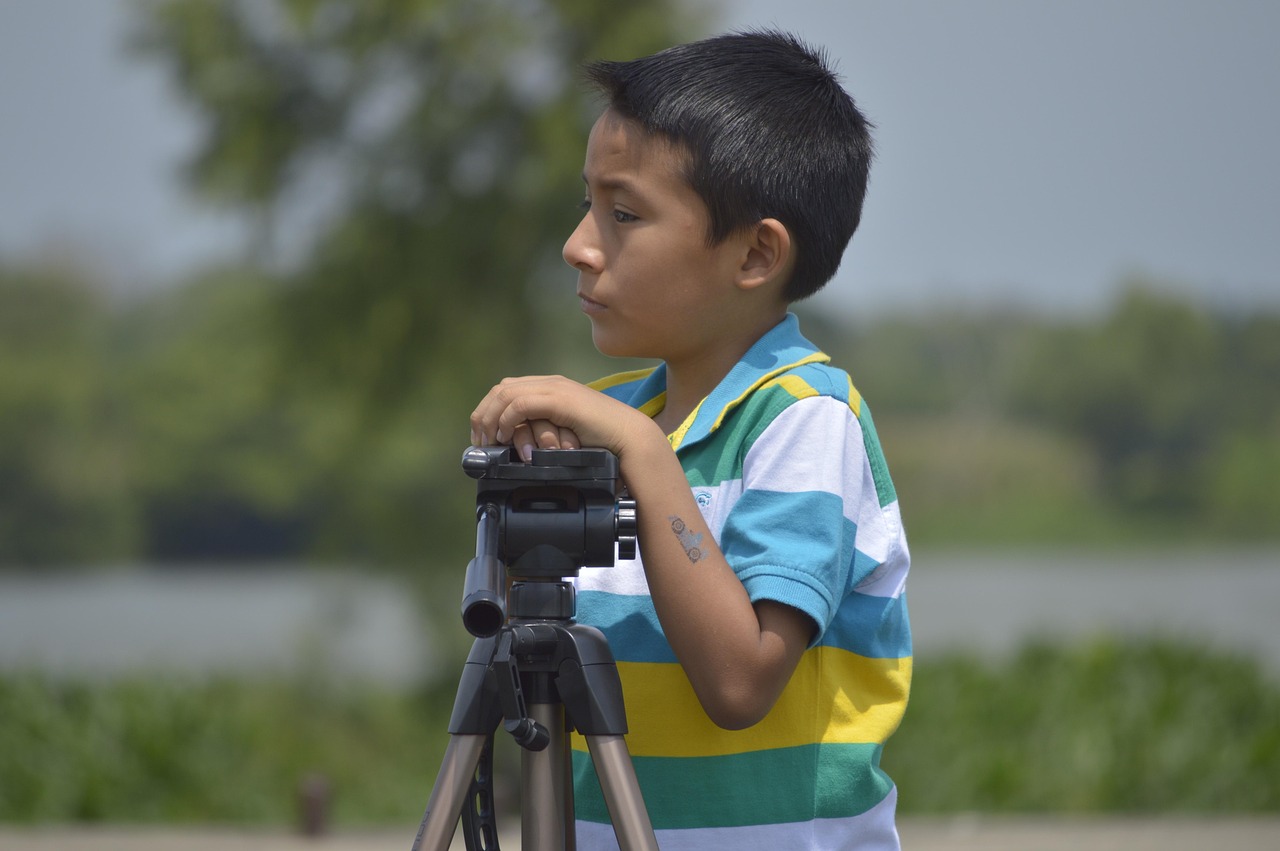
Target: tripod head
point(541, 521)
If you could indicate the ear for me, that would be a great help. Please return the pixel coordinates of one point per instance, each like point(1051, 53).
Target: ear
point(768, 257)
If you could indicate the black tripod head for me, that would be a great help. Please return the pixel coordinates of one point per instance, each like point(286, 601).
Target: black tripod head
point(541, 521)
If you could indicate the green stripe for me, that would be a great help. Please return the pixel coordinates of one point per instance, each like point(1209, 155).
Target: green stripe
point(708, 462)
point(875, 455)
point(765, 787)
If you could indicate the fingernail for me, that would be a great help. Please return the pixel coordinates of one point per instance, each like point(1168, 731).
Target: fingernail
point(526, 452)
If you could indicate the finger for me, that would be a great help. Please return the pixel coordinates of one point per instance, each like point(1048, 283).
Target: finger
point(569, 439)
point(522, 439)
point(482, 421)
point(520, 409)
point(486, 418)
point(546, 434)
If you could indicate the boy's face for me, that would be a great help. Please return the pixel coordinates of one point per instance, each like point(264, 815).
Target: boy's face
point(647, 279)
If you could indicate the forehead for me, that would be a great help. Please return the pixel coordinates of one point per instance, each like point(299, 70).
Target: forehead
point(619, 150)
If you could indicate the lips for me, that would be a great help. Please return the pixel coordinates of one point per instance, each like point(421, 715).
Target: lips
point(589, 306)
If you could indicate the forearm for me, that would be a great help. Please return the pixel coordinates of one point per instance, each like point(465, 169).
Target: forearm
point(736, 663)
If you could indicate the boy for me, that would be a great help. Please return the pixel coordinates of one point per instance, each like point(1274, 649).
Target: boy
point(762, 640)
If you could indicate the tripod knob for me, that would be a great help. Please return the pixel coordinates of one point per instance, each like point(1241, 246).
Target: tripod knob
point(529, 734)
point(627, 528)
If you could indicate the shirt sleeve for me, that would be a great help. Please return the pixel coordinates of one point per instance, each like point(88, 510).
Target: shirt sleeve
point(805, 527)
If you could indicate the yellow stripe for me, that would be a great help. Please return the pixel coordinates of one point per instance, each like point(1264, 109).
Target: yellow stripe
point(795, 385)
point(834, 696)
point(855, 398)
point(801, 389)
point(654, 406)
point(620, 378)
point(677, 437)
point(650, 408)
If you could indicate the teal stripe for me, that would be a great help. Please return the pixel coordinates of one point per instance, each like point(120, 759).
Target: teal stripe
point(805, 534)
point(632, 628)
point(640, 390)
point(765, 787)
point(875, 627)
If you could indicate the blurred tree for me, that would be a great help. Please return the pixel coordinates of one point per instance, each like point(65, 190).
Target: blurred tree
point(412, 165)
point(61, 461)
point(1160, 391)
point(1244, 469)
point(412, 169)
point(225, 464)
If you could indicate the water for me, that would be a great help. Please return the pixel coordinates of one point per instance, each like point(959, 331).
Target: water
point(257, 622)
point(993, 603)
point(350, 624)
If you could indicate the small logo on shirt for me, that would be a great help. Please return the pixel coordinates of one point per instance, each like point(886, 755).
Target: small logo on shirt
point(703, 498)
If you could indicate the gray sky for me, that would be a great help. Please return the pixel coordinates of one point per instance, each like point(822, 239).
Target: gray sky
point(1032, 153)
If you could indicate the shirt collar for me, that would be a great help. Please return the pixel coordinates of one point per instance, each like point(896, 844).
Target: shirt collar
point(781, 349)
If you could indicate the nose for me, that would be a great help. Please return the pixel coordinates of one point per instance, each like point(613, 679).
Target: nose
point(582, 248)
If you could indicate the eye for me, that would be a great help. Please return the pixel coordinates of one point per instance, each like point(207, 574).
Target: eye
point(623, 218)
point(584, 205)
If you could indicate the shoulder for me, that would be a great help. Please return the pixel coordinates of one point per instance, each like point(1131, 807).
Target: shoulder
point(816, 392)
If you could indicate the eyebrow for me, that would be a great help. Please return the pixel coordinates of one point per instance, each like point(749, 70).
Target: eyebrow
point(614, 183)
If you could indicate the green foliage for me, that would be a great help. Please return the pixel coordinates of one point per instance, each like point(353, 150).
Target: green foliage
point(203, 752)
point(1167, 397)
point(1159, 420)
point(1138, 726)
point(1140, 390)
point(61, 463)
point(410, 169)
point(1135, 726)
point(435, 146)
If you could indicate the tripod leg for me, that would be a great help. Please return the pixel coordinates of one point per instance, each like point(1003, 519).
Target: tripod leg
point(543, 777)
point(622, 796)
point(447, 795)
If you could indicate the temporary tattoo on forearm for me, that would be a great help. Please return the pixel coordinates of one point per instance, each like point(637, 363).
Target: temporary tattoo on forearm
point(691, 541)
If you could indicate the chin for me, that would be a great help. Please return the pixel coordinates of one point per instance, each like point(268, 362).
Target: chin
point(611, 346)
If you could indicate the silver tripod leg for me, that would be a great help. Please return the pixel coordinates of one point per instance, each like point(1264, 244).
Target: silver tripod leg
point(449, 792)
point(544, 776)
point(617, 775)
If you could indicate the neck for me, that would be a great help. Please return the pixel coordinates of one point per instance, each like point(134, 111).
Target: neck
point(690, 381)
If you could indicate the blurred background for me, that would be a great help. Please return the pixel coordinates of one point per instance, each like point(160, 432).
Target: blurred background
point(258, 260)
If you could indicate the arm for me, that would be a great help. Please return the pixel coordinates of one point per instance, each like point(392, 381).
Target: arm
point(738, 656)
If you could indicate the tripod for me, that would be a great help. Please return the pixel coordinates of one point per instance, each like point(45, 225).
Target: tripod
point(538, 672)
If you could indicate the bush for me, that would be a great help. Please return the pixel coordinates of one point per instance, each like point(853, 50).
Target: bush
point(1103, 727)
point(224, 751)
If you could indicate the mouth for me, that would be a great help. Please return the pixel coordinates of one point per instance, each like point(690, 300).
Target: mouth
point(590, 306)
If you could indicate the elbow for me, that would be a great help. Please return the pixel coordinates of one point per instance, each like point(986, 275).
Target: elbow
point(737, 708)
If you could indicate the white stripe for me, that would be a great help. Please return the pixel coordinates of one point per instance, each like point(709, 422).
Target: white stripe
point(890, 578)
point(716, 501)
point(813, 445)
point(873, 830)
point(816, 444)
point(625, 577)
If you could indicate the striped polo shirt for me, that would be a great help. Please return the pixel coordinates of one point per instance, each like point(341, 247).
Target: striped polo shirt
point(785, 465)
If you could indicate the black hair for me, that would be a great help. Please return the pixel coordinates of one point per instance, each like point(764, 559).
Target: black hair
point(769, 131)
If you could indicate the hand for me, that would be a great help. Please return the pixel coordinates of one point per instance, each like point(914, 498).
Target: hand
point(542, 434)
point(551, 412)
